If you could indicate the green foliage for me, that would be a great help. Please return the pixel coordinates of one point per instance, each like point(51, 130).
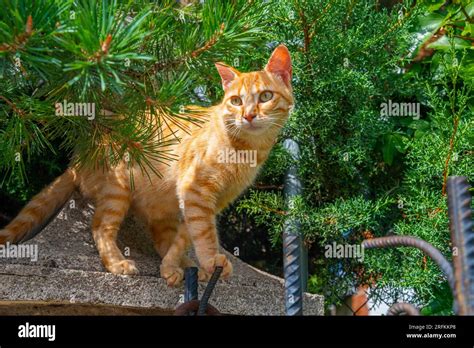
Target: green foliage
point(119, 56)
point(365, 174)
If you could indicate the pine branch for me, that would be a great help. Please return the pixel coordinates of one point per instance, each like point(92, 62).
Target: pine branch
point(19, 40)
point(13, 106)
point(104, 49)
point(108, 54)
point(193, 54)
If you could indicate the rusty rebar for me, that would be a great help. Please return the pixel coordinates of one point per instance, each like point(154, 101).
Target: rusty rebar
point(190, 309)
point(403, 308)
point(190, 284)
point(192, 306)
point(203, 303)
point(427, 248)
point(462, 236)
point(294, 255)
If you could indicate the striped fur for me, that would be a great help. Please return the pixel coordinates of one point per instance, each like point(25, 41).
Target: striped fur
point(180, 208)
point(42, 208)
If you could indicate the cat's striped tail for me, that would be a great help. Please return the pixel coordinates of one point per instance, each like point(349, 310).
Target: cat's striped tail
point(40, 210)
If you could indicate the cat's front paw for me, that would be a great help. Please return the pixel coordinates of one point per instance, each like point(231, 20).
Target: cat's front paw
point(203, 276)
point(172, 274)
point(125, 267)
point(6, 236)
point(219, 260)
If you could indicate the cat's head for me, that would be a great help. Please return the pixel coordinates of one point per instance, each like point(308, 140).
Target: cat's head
point(257, 102)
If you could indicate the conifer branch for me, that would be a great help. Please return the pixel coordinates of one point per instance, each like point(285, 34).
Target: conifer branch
point(21, 39)
point(13, 106)
point(104, 48)
point(194, 54)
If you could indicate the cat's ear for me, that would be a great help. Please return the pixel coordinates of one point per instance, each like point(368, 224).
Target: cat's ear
point(228, 74)
point(280, 64)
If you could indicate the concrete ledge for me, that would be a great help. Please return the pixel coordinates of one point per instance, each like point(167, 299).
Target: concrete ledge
point(68, 277)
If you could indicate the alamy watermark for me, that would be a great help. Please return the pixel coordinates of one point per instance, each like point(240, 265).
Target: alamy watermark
point(28, 330)
point(395, 109)
point(230, 155)
point(75, 109)
point(20, 251)
point(344, 251)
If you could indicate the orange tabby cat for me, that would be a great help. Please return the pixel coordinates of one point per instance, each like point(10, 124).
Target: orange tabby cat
point(216, 162)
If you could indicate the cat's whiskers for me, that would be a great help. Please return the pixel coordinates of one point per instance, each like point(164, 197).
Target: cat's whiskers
point(277, 125)
point(232, 129)
point(276, 121)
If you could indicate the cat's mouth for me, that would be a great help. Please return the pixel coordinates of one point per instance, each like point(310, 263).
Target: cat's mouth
point(252, 127)
point(256, 126)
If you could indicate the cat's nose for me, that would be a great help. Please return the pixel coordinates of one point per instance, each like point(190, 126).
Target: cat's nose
point(250, 116)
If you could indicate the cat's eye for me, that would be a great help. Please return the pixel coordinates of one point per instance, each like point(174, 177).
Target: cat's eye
point(236, 101)
point(266, 96)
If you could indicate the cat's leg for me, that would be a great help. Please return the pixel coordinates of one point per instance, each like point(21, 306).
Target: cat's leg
point(164, 233)
point(172, 245)
point(111, 208)
point(200, 218)
point(172, 249)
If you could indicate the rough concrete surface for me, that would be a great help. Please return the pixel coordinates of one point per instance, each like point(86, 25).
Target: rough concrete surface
point(69, 271)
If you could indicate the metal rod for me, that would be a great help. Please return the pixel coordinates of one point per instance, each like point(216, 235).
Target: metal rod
point(208, 291)
point(190, 284)
point(403, 308)
point(294, 254)
point(462, 236)
point(427, 248)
